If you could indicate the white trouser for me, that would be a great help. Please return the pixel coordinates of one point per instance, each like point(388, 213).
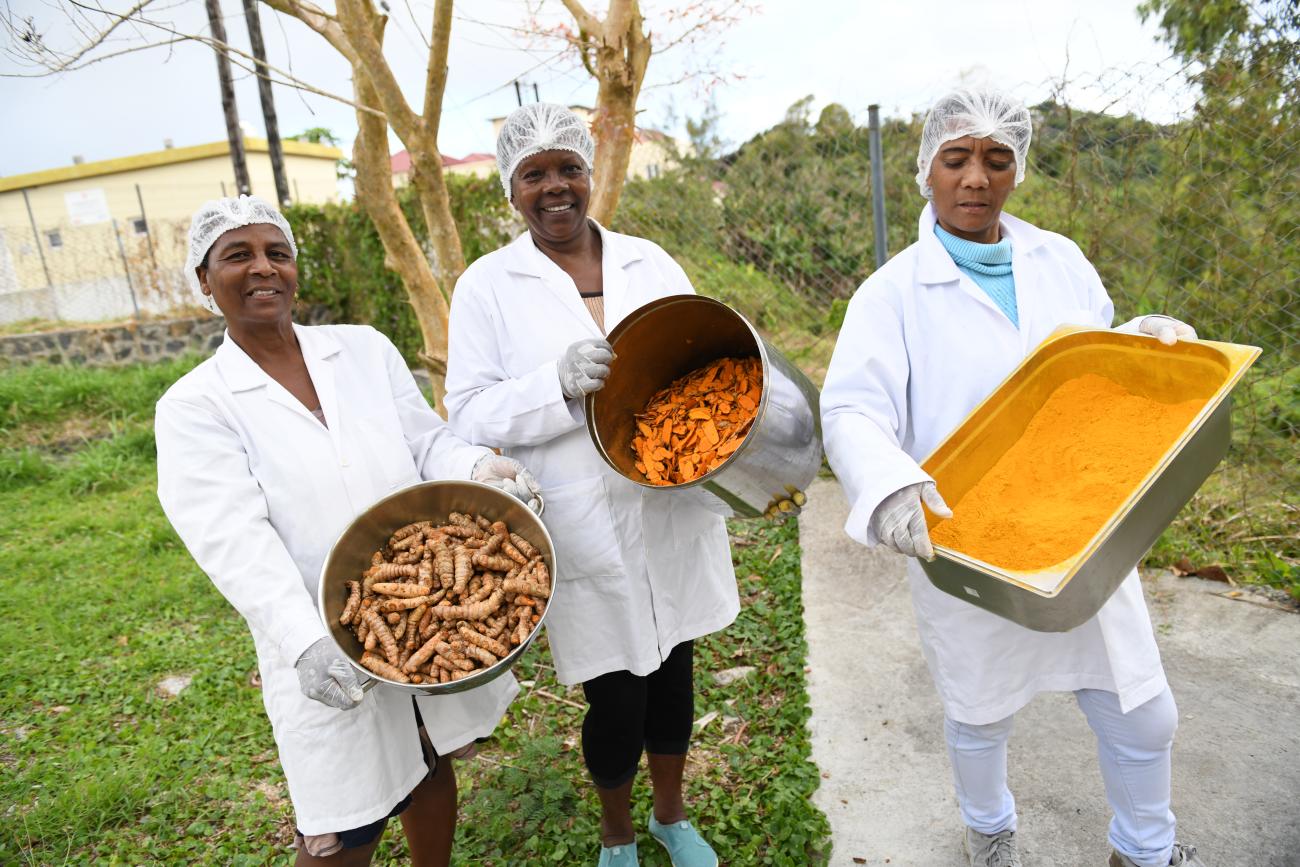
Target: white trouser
point(1133, 749)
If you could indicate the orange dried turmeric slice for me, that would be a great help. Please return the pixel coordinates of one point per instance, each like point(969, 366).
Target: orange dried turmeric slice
point(695, 424)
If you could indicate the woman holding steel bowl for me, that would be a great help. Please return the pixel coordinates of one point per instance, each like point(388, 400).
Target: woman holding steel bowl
point(925, 339)
point(645, 573)
point(266, 452)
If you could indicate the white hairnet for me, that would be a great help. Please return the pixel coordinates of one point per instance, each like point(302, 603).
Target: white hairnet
point(540, 126)
point(219, 216)
point(978, 113)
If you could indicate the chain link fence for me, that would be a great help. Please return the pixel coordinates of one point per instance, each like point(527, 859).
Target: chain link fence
point(119, 258)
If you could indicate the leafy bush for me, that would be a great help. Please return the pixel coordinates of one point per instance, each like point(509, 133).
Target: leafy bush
point(341, 259)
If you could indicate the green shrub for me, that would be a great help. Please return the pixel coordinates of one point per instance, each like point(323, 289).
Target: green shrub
point(341, 259)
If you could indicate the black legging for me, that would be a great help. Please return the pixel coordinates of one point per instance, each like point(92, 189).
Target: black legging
point(627, 713)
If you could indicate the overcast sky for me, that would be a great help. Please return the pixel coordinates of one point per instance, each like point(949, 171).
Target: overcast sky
point(854, 52)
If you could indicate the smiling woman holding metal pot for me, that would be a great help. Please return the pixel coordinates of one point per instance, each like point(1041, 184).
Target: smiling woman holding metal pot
point(266, 452)
point(925, 339)
point(644, 573)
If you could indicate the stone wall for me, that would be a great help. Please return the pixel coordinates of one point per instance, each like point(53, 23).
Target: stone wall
point(155, 340)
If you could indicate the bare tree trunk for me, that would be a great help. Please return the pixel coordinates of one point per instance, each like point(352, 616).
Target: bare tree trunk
point(427, 177)
point(614, 128)
point(402, 252)
point(616, 52)
point(268, 102)
point(233, 132)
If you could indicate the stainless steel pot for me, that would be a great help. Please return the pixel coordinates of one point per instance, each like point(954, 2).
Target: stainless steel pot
point(425, 501)
point(671, 337)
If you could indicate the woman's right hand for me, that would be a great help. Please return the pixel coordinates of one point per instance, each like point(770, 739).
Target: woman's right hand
point(325, 676)
point(899, 520)
point(584, 366)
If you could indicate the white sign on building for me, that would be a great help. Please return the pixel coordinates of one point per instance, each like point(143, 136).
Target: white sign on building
point(87, 207)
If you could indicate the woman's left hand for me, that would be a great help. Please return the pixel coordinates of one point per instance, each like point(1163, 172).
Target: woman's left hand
point(510, 476)
point(1166, 329)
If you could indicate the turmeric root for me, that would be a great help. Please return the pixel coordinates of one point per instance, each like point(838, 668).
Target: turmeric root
point(464, 570)
point(527, 588)
point(477, 611)
point(524, 546)
point(353, 603)
point(473, 651)
point(444, 564)
point(423, 655)
point(496, 648)
point(497, 563)
point(409, 530)
point(383, 635)
point(404, 603)
point(387, 588)
point(382, 668)
point(385, 571)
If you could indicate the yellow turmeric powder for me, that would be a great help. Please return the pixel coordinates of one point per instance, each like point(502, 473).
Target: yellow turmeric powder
point(1082, 453)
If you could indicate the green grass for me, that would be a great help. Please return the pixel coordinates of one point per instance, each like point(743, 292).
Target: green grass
point(56, 406)
point(99, 602)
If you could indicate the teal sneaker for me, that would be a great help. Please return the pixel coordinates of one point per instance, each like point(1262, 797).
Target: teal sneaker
point(686, 848)
point(619, 856)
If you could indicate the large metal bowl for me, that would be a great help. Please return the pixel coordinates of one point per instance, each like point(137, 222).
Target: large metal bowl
point(672, 336)
point(425, 501)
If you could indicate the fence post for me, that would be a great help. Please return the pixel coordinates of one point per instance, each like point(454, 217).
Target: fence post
point(126, 269)
point(148, 230)
point(877, 183)
point(36, 236)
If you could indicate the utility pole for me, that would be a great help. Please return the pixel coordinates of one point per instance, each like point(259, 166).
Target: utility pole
point(233, 132)
point(268, 102)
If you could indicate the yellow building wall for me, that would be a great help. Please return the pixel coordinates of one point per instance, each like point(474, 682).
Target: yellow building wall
point(170, 184)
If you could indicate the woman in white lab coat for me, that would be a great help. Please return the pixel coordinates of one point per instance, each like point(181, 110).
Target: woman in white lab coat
point(266, 452)
point(643, 573)
point(925, 339)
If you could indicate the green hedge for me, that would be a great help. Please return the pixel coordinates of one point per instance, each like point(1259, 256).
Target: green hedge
point(341, 260)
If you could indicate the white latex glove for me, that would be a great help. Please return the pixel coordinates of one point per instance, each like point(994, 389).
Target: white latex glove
point(1166, 329)
point(510, 476)
point(899, 523)
point(324, 675)
point(584, 366)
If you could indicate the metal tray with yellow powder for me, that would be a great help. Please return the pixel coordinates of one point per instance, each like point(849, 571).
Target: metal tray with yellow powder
point(1186, 388)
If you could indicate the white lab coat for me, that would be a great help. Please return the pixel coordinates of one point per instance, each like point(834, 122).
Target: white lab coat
point(921, 345)
point(259, 490)
point(641, 570)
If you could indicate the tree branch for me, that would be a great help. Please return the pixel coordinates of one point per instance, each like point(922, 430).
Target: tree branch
point(359, 21)
point(436, 75)
point(326, 25)
point(96, 40)
point(586, 21)
point(254, 66)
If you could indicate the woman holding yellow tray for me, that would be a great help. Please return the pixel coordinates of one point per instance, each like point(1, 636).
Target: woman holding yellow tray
point(925, 339)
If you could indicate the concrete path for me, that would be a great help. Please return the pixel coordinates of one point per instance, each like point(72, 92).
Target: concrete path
point(877, 723)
